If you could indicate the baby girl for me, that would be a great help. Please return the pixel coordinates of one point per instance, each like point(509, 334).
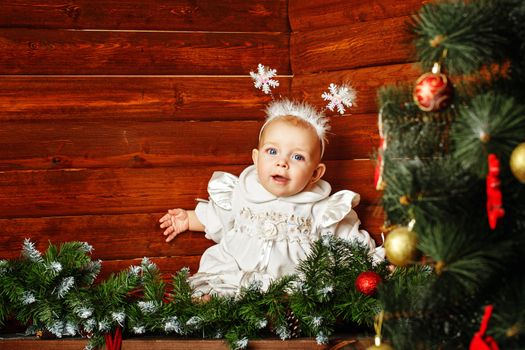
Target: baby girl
point(265, 220)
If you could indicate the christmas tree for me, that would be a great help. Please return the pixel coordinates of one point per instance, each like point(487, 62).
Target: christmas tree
point(452, 168)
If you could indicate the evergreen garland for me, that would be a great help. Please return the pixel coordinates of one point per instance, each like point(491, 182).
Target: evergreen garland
point(55, 292)
point(43, 290)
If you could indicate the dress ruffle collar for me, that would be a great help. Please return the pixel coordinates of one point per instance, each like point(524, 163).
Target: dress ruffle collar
point(253, 190)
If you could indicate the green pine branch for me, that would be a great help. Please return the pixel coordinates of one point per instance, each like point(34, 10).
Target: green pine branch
point(430, 189)
point(320, 295)
point(471, 32)
point(490, 123)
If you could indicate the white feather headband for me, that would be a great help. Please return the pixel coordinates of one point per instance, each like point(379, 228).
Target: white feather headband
point(301, 110)
point(339, 97)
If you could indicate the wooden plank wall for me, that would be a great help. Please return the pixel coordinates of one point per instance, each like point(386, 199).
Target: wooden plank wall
point(113, 111)
point(364, 43)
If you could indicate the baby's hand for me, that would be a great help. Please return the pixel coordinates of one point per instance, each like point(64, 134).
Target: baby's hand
point(175, 222)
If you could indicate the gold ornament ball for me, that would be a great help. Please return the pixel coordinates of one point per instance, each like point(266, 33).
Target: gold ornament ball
point(382, 346)
point(517, 162)
point(401, 246)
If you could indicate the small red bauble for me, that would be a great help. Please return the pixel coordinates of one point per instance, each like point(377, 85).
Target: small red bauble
point(433, 91)
point(367, 282)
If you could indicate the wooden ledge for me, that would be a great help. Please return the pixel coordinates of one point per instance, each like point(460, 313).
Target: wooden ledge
point(167, 343)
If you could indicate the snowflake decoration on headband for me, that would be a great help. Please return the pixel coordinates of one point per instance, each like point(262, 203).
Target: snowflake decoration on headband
point(339, 97)
point(263, 79)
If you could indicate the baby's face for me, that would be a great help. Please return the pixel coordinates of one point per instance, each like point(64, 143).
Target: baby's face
point(288, 157)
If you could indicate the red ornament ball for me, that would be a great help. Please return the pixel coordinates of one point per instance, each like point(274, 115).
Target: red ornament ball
point(367, 282)
point(433, 92)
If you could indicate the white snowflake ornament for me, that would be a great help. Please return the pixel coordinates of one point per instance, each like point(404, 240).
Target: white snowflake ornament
point(321, 338)
point(263, 79)
point(119, 317)
point(28, 298)
point(139, 329)
point(241, 344)
point(30, 252)
point(147, 307)
point(339, 97)
point(65, 286)
point(172, 325)
point(84, 312)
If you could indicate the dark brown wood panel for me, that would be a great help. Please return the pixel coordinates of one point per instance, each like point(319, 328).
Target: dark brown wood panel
point(372, 219)
point(173, 343)
point(113, 237)
point(353, 136)
point(32, 343)
point(32, 51)
point(124, 236)
point(102, 191)
point(134, 98)
point(34, 145)
point(306, 15)
point(34, 193)
point(354, 175)
point(182, 15)
point(362, 44)
point(365, 81)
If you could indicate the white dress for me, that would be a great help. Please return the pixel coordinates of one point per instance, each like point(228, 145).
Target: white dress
point(263, 237)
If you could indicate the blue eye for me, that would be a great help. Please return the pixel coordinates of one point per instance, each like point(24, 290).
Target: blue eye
point(271, 151)
point(297, 157)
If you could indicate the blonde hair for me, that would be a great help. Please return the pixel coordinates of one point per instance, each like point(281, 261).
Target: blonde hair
point(300, 113)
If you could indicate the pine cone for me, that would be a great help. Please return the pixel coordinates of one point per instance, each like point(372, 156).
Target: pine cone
point(293, 324)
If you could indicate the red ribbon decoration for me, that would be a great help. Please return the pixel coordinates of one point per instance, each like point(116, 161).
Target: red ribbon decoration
point(495, 209)
point(480, 341)
point(114, 343)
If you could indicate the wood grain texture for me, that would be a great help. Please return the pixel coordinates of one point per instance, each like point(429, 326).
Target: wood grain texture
point(354, 175)
point(306, 15)
point(174, 343)
point(33, 51)
point(36, 145)
point(372, 219)
point(134, 98)
point(125, 236)
point(35, 193)
point(37, 344)
point(181, 15)
point(113, 237)
point(100, 156)
point(363, 44)
point(366, 82)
